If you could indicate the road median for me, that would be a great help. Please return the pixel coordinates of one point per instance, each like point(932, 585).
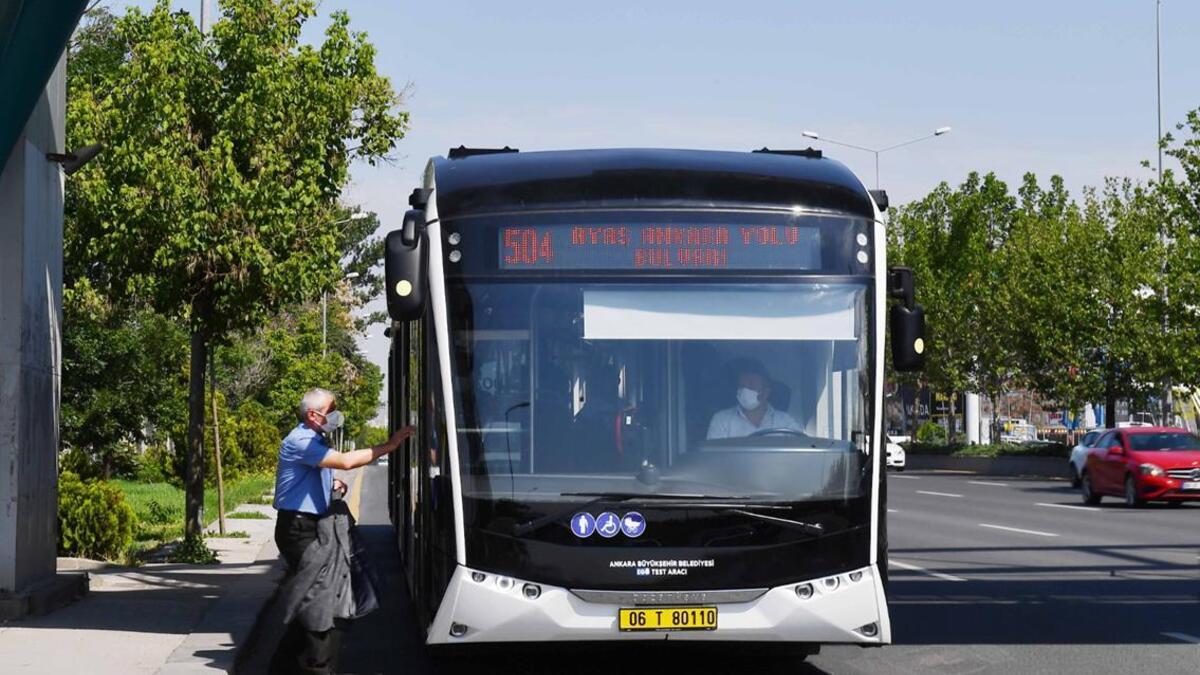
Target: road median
point(1009, 466)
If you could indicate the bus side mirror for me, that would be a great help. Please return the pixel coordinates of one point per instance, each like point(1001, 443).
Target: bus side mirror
point(404, 264)
point(908, 338)
point(900, 285)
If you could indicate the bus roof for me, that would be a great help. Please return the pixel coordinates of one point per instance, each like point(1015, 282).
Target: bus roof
point(632, 178)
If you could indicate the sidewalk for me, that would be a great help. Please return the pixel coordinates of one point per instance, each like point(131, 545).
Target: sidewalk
point(158, 618)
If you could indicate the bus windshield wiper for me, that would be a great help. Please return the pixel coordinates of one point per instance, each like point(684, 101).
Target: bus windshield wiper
point(692, 500)
point(815, 529)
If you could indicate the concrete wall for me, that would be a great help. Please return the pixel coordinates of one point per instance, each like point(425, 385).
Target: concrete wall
point(31, 220)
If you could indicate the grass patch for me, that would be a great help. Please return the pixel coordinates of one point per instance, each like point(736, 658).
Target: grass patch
point(1036, 449)
point(160, 507)
point(247, 515)
point(232, 534)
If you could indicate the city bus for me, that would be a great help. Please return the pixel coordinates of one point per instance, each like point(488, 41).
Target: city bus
point(574, 335)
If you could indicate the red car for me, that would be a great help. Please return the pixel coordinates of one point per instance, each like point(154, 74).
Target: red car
point(1142, 464)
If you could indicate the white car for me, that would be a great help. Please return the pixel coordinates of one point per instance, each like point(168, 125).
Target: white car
point(895, 453)
point(1079, 455)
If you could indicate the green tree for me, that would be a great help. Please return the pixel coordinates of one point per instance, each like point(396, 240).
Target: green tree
point(1139, 354)
point(273, 367)
point(121, 368)
point(1052, 260)
point(953, 239)
point(362, 253)
point(225, 158)
point(1180, 195)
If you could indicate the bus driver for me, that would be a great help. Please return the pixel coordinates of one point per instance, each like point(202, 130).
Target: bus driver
point(753, 411)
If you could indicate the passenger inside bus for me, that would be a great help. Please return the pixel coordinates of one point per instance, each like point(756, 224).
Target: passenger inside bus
point(753, 411)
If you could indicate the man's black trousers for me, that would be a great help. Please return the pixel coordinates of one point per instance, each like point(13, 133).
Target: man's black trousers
point(301, 650)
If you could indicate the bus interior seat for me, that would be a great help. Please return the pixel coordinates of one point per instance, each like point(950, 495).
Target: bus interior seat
point(781, 396)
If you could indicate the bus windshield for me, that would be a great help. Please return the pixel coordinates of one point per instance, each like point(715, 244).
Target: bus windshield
point(749, 388)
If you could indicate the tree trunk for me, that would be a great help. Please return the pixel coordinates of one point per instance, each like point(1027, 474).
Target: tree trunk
point(1110, 400)
point(212, 383)
point(193, 482)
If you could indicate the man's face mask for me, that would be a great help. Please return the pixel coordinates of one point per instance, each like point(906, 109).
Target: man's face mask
point(747, 398)
point(333, 421)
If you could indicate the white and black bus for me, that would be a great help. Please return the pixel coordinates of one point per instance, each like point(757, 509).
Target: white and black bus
point(569, 330)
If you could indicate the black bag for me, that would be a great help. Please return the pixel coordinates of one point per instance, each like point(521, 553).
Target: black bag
point(364, 581)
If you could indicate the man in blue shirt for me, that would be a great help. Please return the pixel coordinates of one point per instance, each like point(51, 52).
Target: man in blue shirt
point(304, 484)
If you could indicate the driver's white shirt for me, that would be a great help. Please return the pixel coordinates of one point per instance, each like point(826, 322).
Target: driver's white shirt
point(732, 422)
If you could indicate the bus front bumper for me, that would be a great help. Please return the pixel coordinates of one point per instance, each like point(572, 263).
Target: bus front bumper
point(481, 607)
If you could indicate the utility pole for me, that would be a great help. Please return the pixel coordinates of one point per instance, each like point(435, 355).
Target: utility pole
point(204, 20)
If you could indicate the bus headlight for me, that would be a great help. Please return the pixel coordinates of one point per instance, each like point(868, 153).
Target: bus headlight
point(856, 576)
point(478, 577)
point(830, 583)
point(457, 630)
point(532, 591)
point(804, 591)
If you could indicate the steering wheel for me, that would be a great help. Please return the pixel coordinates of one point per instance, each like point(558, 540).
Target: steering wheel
point(778, 430)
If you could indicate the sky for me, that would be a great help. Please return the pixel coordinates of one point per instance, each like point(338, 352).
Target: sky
point(1050, 86)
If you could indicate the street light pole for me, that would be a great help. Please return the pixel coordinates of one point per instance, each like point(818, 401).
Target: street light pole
point(1168, 404)
point(1158, 75)
point(940, 131)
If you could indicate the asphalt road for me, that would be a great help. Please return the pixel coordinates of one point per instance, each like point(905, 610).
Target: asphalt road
point(988, 576)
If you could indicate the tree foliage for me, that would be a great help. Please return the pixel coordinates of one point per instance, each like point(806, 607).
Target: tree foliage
point(225, 157)
point(1061, 296)
point(122, 368)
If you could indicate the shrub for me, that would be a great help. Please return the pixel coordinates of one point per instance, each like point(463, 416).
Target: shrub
point(931, 432)
point(257, 438)
point(93, 519)
point(193, 551)
point(1033, 449)
point(157, 465)
point(161, 514)
point(78, 462)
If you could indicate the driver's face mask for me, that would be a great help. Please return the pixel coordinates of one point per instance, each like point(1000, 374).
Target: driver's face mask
point(747, 398)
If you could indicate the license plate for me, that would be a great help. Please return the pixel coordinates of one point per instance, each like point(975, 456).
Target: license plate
point(667, 618)
point(1191, 485)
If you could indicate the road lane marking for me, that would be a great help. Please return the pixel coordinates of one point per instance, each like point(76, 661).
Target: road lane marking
point(937, 494)
point(1069, 506)
point(922, 570)
point(1184, 637)
point(892, 475)
point(1019, 530)
point(980, 482)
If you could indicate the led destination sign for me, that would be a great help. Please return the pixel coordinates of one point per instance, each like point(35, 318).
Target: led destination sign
point(659, 247)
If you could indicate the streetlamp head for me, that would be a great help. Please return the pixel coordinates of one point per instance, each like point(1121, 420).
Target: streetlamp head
point(941, 130)
point(814, 135)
